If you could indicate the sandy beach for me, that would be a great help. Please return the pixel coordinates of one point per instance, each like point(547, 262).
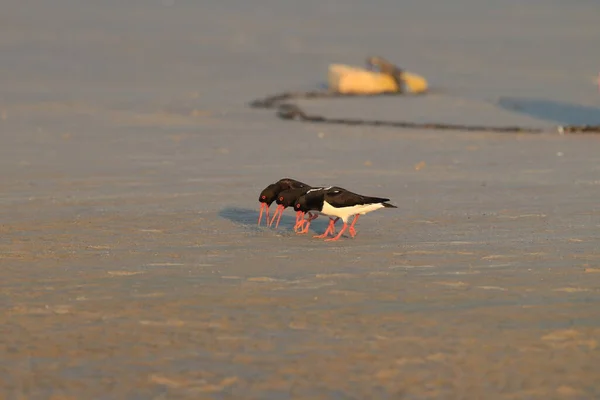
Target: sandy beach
point(131, 266)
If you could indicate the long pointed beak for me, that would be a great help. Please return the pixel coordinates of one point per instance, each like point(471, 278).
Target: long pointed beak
point(263, 207)
point(299, 221)
point(278, 210)
point(279, 218)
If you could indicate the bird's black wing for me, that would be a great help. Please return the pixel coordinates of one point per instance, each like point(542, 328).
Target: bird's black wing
point(338, 197)
point(314, 198)
point(289, 197)
point(289, 183)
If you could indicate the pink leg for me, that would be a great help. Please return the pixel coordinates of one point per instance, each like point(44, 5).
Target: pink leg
point(330, 229)
point(300, 221)
point(307, 222)
point(351, 229)
point(299, 214)
point(339, 235)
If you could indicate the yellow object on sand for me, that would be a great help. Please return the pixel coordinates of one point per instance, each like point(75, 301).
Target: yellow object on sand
point(353, 80)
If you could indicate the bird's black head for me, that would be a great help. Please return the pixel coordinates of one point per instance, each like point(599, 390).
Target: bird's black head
point(287, 198)
point(269, 194)
point(300, 204)
point(311, 200)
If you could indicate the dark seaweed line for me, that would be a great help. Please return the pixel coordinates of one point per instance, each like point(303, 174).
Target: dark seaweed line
point(288, 111)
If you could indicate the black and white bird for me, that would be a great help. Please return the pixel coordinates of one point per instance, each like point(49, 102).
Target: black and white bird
point(269, 194)
point(339, 203)
point(286, 199)
point(303, 207)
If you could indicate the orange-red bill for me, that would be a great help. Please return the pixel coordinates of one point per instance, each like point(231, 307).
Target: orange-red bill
point(299, 215)
point(299, 221)
point(263, 207)
point(306, 222)
point(279, 218)
point(278, 210)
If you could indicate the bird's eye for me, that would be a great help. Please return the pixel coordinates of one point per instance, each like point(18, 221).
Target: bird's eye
point(263, 197)
point(298, 205)
point(281, 199)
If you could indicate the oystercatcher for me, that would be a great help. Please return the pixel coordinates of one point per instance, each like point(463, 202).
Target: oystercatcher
point(269, 194)
point(286, 199)
point(341, 204)
point(303, 206)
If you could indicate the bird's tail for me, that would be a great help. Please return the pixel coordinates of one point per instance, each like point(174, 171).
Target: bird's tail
point(381, 200)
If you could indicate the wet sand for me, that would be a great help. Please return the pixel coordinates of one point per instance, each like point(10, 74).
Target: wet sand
point(131, 263)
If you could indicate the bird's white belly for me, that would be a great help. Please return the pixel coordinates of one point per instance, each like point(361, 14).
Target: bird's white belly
point(345, 212)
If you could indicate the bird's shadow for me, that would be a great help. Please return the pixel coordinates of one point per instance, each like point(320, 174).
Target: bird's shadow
point(249, 219)
point(563, 113)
